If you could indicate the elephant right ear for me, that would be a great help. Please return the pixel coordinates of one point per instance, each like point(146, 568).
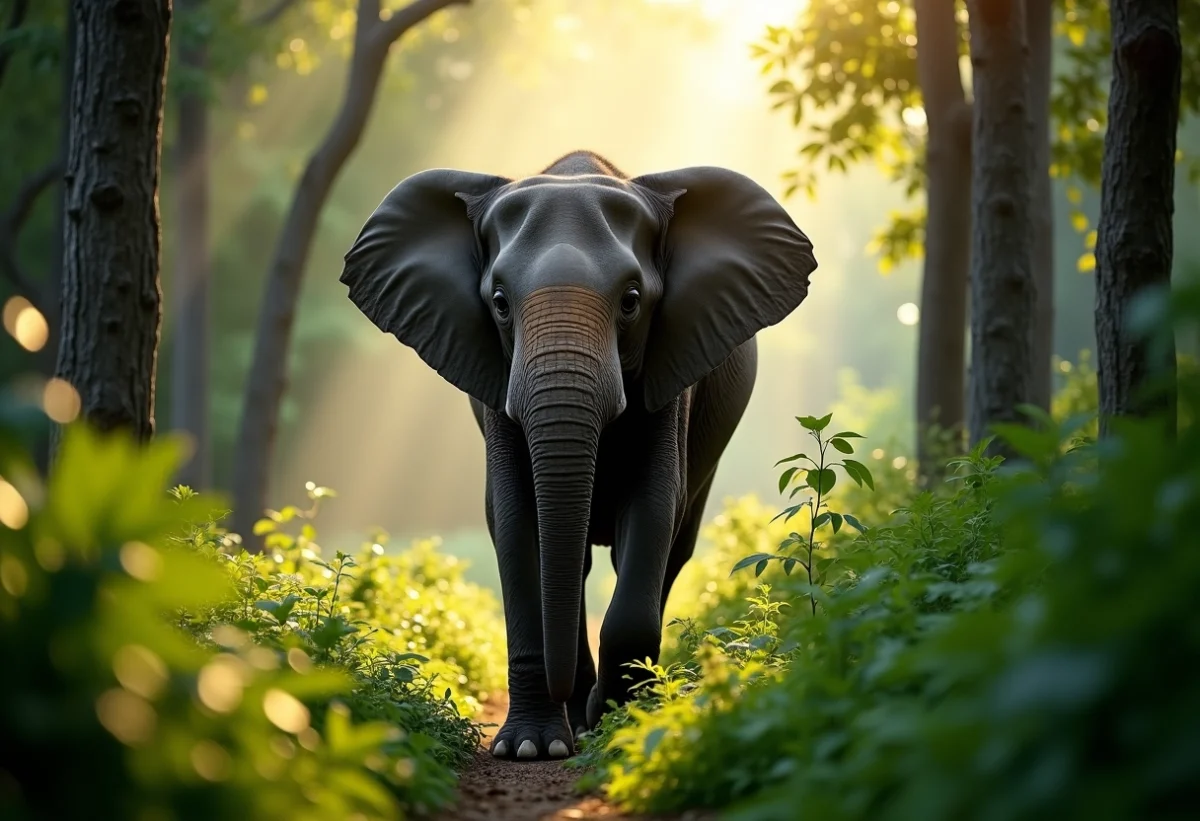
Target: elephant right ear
point(414, 271)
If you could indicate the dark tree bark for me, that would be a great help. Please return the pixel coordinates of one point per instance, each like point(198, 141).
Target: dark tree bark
point(190, 289)
point(1134, 243)
point(112, 304)
point(1002, 290)
point(1039, 31)
point(941, 352)
point(267, 381)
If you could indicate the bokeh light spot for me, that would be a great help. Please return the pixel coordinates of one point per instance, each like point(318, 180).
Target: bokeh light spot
point(219, 685)
point(128, 717)
point(140, 671)
point(61, 401)
point(285, 711)
point(14, 512)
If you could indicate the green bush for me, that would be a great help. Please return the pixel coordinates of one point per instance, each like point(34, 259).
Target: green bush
point(1020, 645)
point(151, 673)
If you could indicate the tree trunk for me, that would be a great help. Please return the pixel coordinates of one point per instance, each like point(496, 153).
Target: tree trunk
point(1137, 203)
point(190, 288)
point(1002, 290)
point(941, 353)
point(1039, 23)
point(267, 381)
point(112, 304)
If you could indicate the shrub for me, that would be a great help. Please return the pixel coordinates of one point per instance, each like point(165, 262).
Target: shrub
point(150, 674)
point(1018, 646)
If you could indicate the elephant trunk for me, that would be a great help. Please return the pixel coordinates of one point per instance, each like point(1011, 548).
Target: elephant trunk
point(563, 454)
point(569, 388)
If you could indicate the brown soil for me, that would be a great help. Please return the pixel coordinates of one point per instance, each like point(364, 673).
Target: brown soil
point(495, 790)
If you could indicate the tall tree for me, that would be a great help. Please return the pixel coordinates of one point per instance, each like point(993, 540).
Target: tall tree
point(267, 381)
point(1002, 289)
point(941, 353)
point(1135, 239)
point(1039, 33)
point(871, 65)
point(112, 303)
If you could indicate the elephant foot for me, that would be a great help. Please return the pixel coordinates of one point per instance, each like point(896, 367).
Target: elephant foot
point(532, 732)
point(577, 706)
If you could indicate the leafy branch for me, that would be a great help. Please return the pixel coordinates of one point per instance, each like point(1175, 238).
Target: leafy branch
point(818, 477)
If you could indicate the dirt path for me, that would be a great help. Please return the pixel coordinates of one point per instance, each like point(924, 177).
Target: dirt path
point(494, 790)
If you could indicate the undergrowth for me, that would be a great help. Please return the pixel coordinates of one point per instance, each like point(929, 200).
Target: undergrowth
point(1015, 644)
point(155, 670)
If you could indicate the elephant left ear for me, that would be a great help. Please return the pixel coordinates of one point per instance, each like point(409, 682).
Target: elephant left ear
point(734, 263)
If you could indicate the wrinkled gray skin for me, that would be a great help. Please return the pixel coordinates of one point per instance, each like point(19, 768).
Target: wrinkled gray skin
point(604, 329)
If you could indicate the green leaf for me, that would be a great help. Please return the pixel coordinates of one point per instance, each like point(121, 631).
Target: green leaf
point(786, 477)
point(859, 473)
point(789, 512)
point(835, 519)
point(651, 742)
point(331, 632)
point(788, 565)
point(797, 489)
point(749, 560)
point(759, 568)
point(847, 434)
point(842, 445)
point(792, 458)
point(813, 423)
point(263, 527)
point(822, 519)
point(854, 523)
point(822, 481)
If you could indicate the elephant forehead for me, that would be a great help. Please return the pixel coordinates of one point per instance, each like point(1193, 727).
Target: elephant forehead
point(570, 208)
point(598, 264)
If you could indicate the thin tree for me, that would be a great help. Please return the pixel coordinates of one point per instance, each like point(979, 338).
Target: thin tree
point(267, 381)
point(191, 283)
point(1002, 289)
point(1134, 244)
point(190, 291)
point(112, 303)
point(42, 296)
point(941, 354)
point(1039, 33)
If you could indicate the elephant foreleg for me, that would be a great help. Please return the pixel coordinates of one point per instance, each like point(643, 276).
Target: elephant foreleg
point(632, 629)
point(536, 726)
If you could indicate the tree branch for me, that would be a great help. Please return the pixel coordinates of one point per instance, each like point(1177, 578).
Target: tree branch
point(272, 13)
point(10, 227)
point(385, 32)
point(15, 19)
point(28, 193)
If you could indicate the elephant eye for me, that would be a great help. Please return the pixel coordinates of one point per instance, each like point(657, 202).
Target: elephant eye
point(500, 303)
point(629, 302)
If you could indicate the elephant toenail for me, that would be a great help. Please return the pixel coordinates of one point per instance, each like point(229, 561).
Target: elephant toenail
point(527, 749)
point(558, 749)
point(500, 749)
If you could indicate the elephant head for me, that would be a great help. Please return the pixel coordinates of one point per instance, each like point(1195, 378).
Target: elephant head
point(549, 297)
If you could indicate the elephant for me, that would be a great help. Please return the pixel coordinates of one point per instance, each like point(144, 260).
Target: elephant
point(604, 329)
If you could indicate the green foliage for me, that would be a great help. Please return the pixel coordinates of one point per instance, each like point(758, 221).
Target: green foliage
point(1016, 645)
point(161, 675)
point(847, 72)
